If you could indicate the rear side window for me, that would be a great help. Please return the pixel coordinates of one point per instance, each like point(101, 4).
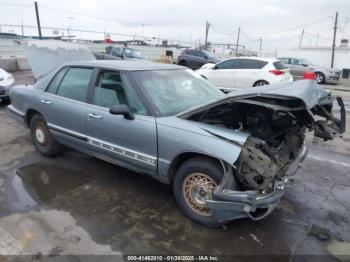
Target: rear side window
point(251, 64)
point(55, 82)
point(279, 65)
point(75, 83)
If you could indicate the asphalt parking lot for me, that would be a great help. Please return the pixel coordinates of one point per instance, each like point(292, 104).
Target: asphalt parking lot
point(76, 204)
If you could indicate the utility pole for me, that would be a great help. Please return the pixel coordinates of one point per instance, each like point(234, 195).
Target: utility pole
point(206, 35)
point(239, 32)
point(301, 38)
point(38, 20)
point(318, 37)
point(22, 29)
point(260, 43)
point(334, 37)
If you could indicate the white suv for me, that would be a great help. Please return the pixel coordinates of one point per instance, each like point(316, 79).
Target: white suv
point(245, 72)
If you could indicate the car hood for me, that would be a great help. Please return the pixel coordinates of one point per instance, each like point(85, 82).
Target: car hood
point(306, 90)
point(45, 55)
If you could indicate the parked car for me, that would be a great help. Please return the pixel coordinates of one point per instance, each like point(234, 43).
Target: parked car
point(226, 156)
point(245, 72)
point(195, 58)
point(124, 52)
point(299, 66)
point(6, 82)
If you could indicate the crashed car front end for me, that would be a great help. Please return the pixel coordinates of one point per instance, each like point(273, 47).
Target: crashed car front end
point(276, 120)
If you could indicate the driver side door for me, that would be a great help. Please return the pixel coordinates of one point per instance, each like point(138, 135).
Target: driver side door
point(129, 143)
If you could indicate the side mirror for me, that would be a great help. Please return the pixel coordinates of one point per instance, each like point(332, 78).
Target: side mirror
point(122, 110)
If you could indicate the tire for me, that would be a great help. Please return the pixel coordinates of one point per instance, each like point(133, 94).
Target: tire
point(260, 83)
point(183, 63)
point(42, 139)
point(320, 78)
point(185, 181)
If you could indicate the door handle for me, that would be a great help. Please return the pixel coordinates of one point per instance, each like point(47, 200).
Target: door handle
point(46, 102)
point(95, 116)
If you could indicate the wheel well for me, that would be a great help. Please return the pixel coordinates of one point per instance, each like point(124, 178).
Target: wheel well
point(180, 159)
point(261, 80)
point(319, 72)
point(29, 115)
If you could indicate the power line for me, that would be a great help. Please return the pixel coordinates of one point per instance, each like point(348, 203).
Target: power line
point(290, 29)
point(115, 20)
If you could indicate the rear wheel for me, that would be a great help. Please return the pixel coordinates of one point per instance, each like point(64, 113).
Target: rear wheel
point(193, 184)
point(260, 83)
point(43, 140)
point(320, 78)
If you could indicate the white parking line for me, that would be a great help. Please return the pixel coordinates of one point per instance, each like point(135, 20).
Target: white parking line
point(328, 160)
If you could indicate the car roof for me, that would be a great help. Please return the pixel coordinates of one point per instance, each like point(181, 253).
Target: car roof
point(127, 65)
point(266, 59)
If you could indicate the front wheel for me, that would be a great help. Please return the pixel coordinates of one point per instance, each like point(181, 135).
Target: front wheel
point(320, 78)
point(193, 184)
point(43, 140)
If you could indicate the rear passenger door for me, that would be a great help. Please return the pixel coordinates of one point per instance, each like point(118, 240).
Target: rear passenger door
point(64, 104)
point(130, 143)
point(296, 68)
point(248, 72)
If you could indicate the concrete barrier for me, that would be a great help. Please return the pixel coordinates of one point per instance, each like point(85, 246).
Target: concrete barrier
point(22, 63)
point(9, 63)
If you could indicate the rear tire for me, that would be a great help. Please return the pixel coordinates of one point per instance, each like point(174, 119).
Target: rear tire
point(260, 83)
point(42, 139)
point(193, 183)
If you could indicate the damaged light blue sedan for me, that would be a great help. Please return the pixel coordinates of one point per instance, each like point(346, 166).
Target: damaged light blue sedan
point(226, 156)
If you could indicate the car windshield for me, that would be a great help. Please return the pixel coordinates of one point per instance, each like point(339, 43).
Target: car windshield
point(208, 54)
point(173, 91)
point(132, 53)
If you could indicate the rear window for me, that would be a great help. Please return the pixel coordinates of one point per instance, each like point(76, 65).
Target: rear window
point(279, 65)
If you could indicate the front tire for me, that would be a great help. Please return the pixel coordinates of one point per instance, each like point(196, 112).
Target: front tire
point(320, 78)
point(193, 184)
point(42, 139)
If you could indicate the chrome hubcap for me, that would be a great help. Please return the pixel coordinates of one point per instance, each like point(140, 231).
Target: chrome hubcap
point(197, 188)
point(319, 78)
point(39, 134)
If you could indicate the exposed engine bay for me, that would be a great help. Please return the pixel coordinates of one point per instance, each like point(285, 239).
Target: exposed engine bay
point(277, 128)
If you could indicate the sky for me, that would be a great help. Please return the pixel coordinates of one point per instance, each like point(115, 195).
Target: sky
point(278, 23)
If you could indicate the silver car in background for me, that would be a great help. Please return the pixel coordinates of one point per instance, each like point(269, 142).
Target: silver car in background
point(226, 156)
point(323, 74)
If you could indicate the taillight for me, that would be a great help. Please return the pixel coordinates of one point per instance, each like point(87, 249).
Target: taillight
point(277, 72)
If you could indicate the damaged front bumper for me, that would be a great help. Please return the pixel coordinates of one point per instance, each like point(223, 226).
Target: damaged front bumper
point(227, 204)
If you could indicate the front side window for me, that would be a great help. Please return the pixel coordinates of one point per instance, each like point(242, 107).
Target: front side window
point(228, 64)
point(173, 91)
point(75, 83)
point(113, 88)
